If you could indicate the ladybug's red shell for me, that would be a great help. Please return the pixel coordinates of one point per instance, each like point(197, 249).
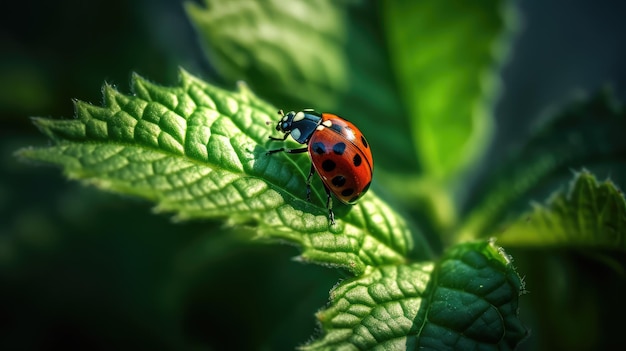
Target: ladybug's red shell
point(342, 157)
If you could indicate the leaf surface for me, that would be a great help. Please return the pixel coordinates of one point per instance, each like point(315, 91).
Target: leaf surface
point(588, 215)
point(445, 56)
point(199, 151)
point(467, 300)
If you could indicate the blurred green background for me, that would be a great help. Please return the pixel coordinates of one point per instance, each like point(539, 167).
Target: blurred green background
point(83, 269)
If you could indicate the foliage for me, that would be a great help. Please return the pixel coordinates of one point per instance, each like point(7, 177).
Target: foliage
point(199, 152)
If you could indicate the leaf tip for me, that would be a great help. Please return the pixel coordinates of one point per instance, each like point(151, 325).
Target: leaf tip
point(137, 82)
point(23, 153)
point(45, 126)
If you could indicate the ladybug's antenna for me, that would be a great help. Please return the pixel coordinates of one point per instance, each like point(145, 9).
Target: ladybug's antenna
point(280, 112)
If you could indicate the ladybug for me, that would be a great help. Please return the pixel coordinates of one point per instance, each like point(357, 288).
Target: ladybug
point(338, 150)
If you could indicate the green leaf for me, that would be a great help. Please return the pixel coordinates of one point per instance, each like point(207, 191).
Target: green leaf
point(200, 152)
point(446, 56)
point(589, 215)
point(252, 41)
point(588, 133)
point(322, 54)
point(468, 300)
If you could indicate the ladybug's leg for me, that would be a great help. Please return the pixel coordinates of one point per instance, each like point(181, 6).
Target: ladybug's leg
point(281, 139)
point(308, 183)
point(289, 151)
point(329, 206)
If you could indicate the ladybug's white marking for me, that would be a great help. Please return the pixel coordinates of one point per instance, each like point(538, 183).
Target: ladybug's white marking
point(295, 133)
point(349, 134)
point(298, 117)
point(327, 123)
point(320, 127)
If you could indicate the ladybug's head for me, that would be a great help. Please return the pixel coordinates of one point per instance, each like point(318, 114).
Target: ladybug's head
point(300, 125)
point(285, 123)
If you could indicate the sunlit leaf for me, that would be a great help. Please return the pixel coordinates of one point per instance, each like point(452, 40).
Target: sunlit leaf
point(445, 57)
point(322, 54)
point(200, 152)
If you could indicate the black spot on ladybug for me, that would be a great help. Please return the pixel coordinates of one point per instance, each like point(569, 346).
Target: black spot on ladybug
point(339, 148)
point(357, 160)
point(364, 142)
point(347, 192)
point(328, 165)
point(319, 148)
point(339, 181)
